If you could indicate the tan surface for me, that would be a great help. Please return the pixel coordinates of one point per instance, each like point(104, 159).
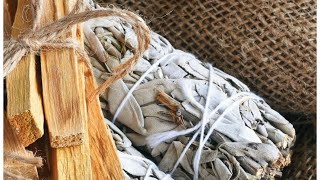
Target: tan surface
point(63, 107)
point(104, 157)
point(11, 144)
point(25, 111)
point(64, 100)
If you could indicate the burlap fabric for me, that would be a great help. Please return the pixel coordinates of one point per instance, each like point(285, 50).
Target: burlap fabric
point(269, 45)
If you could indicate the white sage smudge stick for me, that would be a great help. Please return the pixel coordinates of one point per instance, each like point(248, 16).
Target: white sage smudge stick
point(134, 164)
point(161, 106)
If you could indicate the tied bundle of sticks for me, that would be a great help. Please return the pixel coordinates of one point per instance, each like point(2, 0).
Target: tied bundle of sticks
point(194, 121)
point(49, 79)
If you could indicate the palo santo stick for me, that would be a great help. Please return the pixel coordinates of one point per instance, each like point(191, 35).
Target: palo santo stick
point(60, 80)
point(12, 145)
point(12, 6)
point(104, 159)
point(25, 111)
point(7, 20)
point(61, 68)
point(73, 162)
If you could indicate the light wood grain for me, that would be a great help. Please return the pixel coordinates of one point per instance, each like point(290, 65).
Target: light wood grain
point(65, 106)
point(7, 20)
point(73, 162)
point(25, 110)
point(104, 158)
point(11, 144)
point(60, 80)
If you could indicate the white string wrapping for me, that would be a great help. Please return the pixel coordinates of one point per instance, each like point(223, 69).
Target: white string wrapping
point(156, 139)
point(182, 122)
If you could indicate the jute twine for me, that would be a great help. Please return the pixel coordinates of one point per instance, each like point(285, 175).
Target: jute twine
point(36, 161)
point(49, 36)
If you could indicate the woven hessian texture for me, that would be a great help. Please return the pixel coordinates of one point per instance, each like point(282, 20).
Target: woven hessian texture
point(269, 45)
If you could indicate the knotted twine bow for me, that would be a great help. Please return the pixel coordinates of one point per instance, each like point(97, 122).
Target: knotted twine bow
point(49, 36)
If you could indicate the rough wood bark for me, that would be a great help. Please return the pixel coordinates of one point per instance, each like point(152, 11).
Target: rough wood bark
point(60, 78)
point(25, 111)
point(104, 158)
point(11, 144)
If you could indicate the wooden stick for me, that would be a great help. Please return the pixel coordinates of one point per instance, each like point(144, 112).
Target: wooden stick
point(7, 20)
point(11, 144)
point(250, 165)
point(25, 111)
point(65, 103)
point(12, 6)
point(60, 80)
point(73, 162)
point(104, 159)
point(171, 104)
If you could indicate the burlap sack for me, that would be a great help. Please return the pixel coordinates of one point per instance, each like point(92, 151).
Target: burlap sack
point(269, 45)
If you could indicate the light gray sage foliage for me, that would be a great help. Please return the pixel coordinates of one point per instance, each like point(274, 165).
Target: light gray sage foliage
point(251, 140)
point(135, 166)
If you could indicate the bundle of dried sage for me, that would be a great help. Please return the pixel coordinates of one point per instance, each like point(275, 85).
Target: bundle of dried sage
point(193, 120)
point(135, 166)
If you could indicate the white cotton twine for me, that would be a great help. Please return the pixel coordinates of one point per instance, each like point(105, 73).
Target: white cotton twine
point(158, 138)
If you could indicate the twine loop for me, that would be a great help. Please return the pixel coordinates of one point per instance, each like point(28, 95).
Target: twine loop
point(30, 44)
point(49, 36)
point(38, 39)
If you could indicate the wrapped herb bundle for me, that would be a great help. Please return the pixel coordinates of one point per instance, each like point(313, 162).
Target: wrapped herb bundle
point(134, 164)
point(193, 120)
